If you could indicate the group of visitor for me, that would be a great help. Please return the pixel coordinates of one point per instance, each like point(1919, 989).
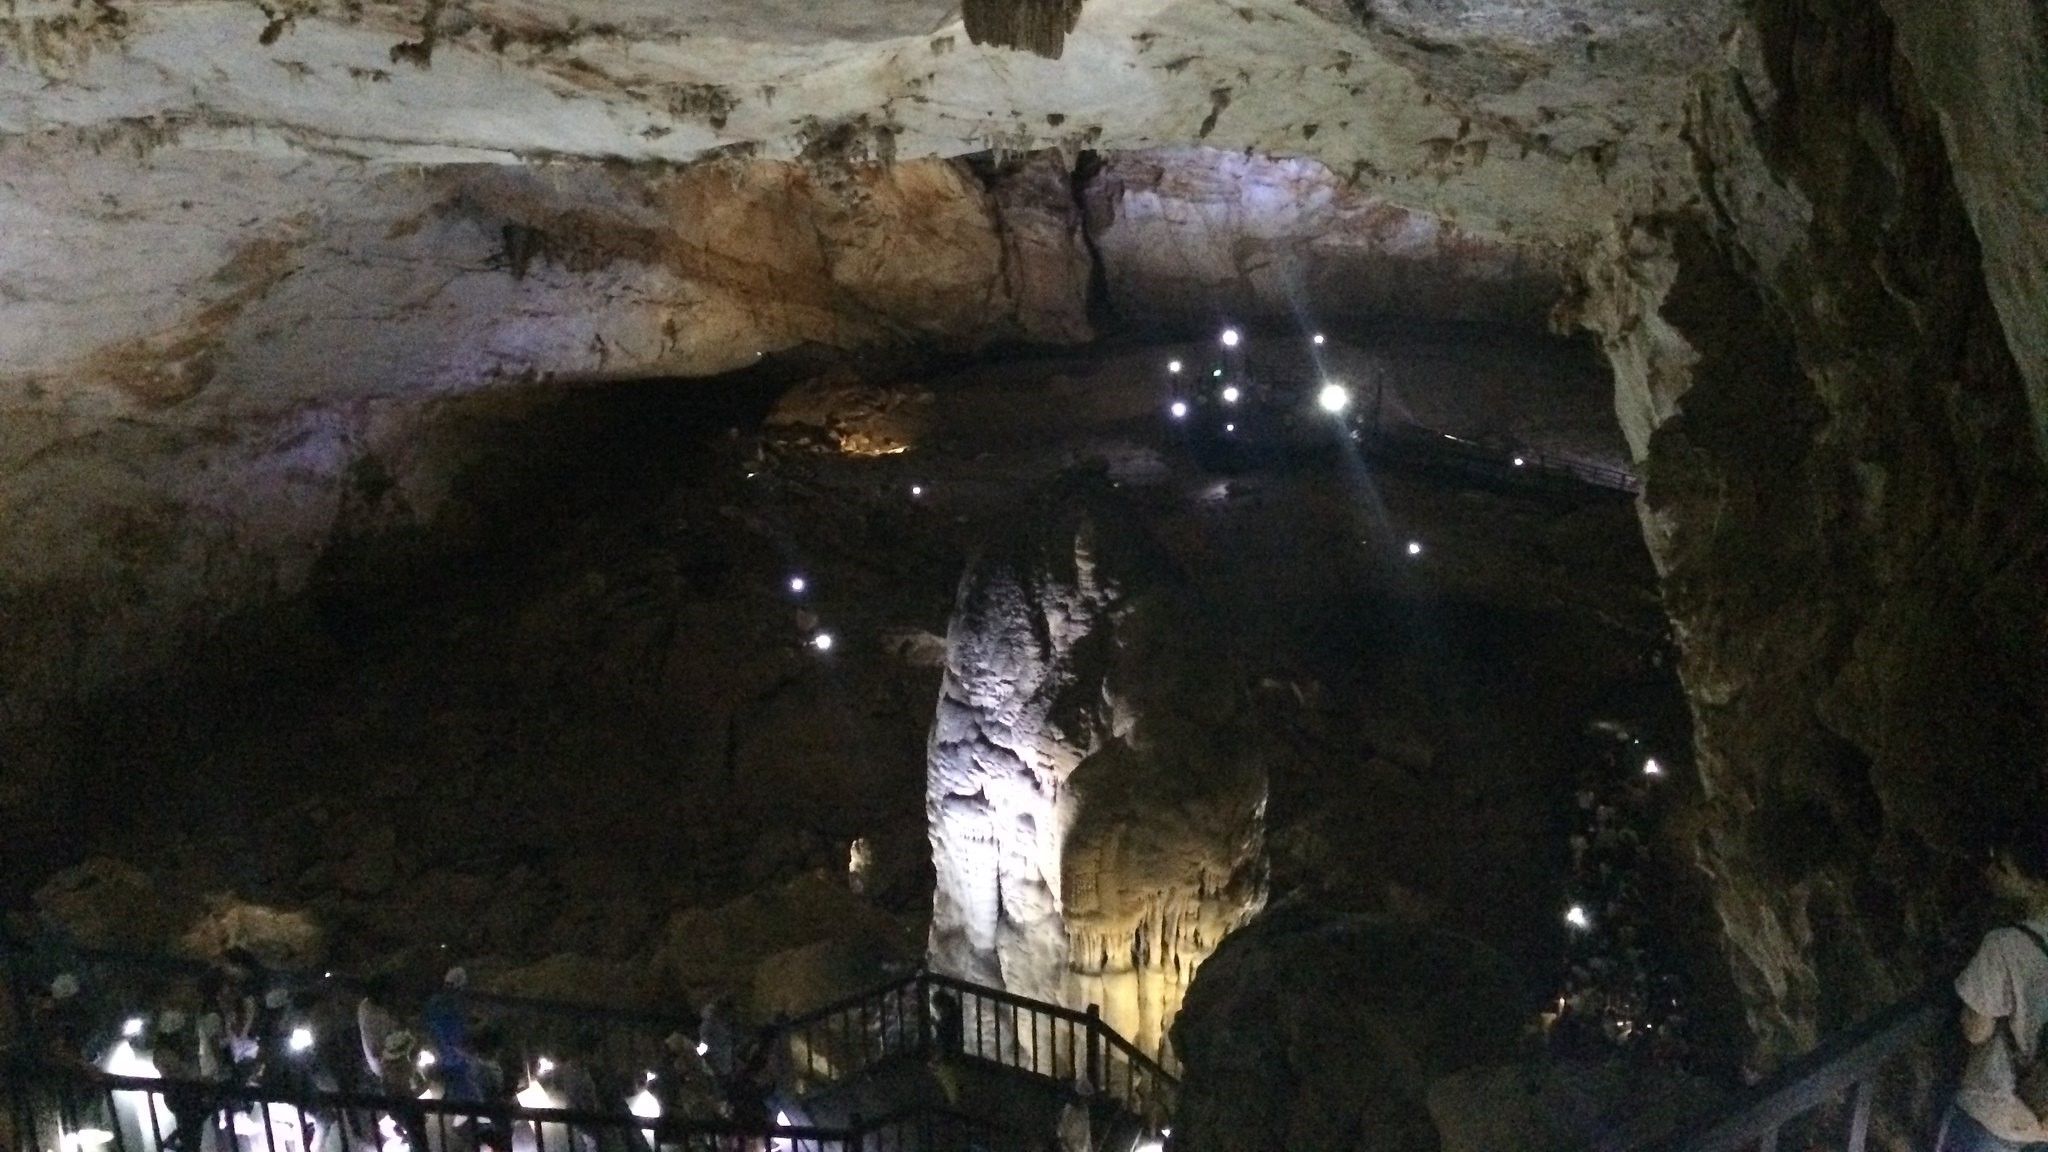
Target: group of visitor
point(445, 1072)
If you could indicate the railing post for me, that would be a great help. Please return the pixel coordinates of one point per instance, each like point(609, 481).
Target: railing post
point(1095, 1048)
point(924, 1015)
point(1859, 1119)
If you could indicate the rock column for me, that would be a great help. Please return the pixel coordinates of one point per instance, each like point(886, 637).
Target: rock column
point(1096, 825)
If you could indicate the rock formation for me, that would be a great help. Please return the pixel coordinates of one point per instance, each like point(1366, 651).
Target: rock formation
point(1309, 1031)
point(1095, 828)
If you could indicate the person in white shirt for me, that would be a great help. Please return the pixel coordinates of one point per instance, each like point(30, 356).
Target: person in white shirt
point(2004, 991)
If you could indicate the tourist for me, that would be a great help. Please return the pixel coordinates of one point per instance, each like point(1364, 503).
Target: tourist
point(375, 1022)
point(446, 1015)
point(2004, 991)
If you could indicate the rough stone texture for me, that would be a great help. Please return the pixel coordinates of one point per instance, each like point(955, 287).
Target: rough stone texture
point(1983, 68)
point(198, 452)
point(1096, 828)
point(1311, 1032)
point(1848, 510)
point(1575, 132)
point(1189, 237)
point(1540, 1106)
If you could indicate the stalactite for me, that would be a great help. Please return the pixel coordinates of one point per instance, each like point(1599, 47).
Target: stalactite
point(1039, 26)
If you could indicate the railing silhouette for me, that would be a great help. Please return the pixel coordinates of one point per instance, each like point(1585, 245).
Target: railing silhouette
point(820, 1049)
point(1427, 449)
point(1806, 1091)
point(1031, 1037)
point(83, 1110)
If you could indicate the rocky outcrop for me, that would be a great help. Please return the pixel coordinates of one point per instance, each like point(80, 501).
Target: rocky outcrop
point(1848, 510)
point(267, 388)
point(1310, 1032)
point(1094, 831)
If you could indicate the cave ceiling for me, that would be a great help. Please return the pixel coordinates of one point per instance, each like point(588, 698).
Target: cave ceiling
point(1546, 118)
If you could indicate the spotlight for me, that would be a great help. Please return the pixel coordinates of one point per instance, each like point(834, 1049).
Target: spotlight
point(301, 1039)
point(1317, 339)
point(916, 490)
point(797, 584)
point(1415, 547)
point(1179, 410)
point(1173, 366)
point(1230, 337)
point(132, 1027)
point(822, 641)
point(1577, 918)
point(1334, 397)
point(1230, 394)
point(1519, 461)
point(1652, 768)
point(1230, 427)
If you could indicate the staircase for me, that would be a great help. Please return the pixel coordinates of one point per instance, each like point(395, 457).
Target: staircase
point(870, 1073)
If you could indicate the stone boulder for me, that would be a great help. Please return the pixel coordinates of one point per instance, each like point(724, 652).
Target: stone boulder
point(1307, 1031)
point(1563, 1107)
point(108, 903)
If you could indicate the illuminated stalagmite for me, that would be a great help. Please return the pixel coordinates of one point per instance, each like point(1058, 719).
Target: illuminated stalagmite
point(1096, 803)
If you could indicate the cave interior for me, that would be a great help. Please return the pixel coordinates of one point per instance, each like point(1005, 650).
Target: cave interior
point(1451, 574)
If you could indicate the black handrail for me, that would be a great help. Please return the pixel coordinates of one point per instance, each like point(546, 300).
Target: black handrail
point(69, 1101)
point(827, 1044)
point(1851, 1060)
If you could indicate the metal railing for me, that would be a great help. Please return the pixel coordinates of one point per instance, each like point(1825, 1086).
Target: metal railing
point(1806, 1095)
point(1427, 449)
point(821, 1048)
point(82, 1110)
point(905, 1019)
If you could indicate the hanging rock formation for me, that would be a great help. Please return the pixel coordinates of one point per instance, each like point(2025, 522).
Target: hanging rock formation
point(1095, 827)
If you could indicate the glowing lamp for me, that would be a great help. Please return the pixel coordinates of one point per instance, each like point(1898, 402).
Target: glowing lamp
point(1230, 337)
point(1334, 398)
point(917, 489)
point(1317, 339)
point(797, 584)
point(1230, 394)
point(543, 1066)
point(702, 1048)
point(1652, 768)
point(1230, 427)
point(1179, 410)
point(1415, 547)
point(1519, 461)
point(822, 641)
point(132, 1027)
point(1173, 366)
point(1216, 372)
point(644, 1105)
point(1577, 918)
point(87, 1138)
point(426, 1059)
point(301, 1039)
